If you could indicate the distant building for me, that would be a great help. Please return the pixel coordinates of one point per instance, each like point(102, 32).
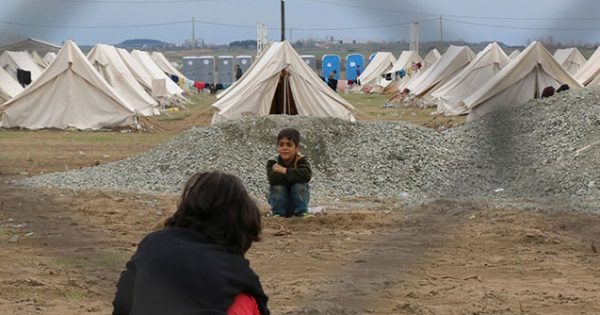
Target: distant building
point(31, 44)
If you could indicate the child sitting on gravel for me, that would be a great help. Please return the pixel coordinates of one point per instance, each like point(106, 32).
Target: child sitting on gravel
point(196, 264)
point(289, 173)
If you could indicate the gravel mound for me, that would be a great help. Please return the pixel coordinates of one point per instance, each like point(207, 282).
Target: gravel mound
point(545, 149)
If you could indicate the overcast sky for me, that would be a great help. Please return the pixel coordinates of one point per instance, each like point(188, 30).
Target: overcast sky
point(514, 22)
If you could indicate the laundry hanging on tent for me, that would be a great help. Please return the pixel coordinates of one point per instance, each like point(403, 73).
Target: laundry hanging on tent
point(24, 77)
point(199, 85)
point(175, 78)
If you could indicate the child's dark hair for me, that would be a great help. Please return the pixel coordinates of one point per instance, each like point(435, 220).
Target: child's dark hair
point(217, 205)
point(290, 134)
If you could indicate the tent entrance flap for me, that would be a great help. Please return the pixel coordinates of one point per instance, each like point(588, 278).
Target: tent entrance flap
point(283, 100)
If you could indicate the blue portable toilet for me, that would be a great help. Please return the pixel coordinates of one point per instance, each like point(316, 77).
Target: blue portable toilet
point(199, 68)
point(310, 61)
point(244, 61)
point(330, 63)
point(225, 70)
point(352, 61)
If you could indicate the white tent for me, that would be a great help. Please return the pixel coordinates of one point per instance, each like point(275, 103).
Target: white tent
point(521, 80)
point(9, 88)
point(432, 57)
point(381, 63)
point(163, 63)
point(453, 60)
point(13, 60)
point(155, 72)
point(570, 58)
point(485, 65)
point(69, 94)
point(38, 60)
point(514, 54)
point(49, 57)
point(590, 70)
point(404, 63)
point(279, 82)
point(111, 67)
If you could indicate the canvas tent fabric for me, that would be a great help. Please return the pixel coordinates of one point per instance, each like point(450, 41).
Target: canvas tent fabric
point(38, 60)
point(570, 58)
point(590, 70)
point(280, 73)
point(486, 64)
point(381, 63)
point(155, 72)
point(49, 57)
point(69, 94)
point(9, 88)
point(405, 62)
point(110, 66)
point(163, 63)
point(13, 60)
point(514, 54)
point(521, 80)
point(453, 60)
point(432, 57)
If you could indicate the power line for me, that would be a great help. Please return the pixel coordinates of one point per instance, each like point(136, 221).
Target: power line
point(132, 1)
point(451, 15)
point(526, 27)
point(93, 26)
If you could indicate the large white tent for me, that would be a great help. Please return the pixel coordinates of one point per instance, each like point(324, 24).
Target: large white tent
point(381, 63)
point(111, 67)
point(570, 58)
point(9, 88)
point(486, 64)
point(404, 63)
point(49, 57)
point(453, 60)
point(514, 54)
point(68, 94)
point(590, 70)
point(279, 82)
point(522, 79)
point(155, 72)
point(163, 63)
point(432, 57)
point(38, 60)
point(13, 60)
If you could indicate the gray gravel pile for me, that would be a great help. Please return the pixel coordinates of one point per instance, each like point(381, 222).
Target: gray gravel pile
point(543, 149)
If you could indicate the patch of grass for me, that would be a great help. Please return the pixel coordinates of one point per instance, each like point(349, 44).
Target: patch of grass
point(74, 295)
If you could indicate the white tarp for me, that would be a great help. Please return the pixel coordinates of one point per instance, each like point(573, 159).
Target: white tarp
point(68, 94)
point(163, 63)
point(522, 79)
point(453, 60)
point(570, 58)
point(111, 67)
point(381, 63)
point(13, 60)
point(280, 82)
point(155, 72)
point(9, 88)
point(485, 65)
point(590, 70)
point(432, 57)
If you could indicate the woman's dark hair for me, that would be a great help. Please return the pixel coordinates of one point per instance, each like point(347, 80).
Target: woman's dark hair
point(217, 205)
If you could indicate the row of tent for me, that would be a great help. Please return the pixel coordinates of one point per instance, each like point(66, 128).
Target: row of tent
point(109, 88)
point(462, 82)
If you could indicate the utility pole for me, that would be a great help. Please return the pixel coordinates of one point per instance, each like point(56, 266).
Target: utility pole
point(282, 20)
point(441, 30)
point(194, 32)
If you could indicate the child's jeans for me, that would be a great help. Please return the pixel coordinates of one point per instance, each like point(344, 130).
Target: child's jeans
point(287, 201)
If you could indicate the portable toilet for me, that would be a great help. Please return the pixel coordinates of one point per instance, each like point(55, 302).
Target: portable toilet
point(191, 67)
point(225, 69)
point(310, 61)
point(352, 61)
point(206, 69)
point(244, 61)
point(330, 63)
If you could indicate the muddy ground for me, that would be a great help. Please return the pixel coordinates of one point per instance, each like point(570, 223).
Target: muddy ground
point(62, 251)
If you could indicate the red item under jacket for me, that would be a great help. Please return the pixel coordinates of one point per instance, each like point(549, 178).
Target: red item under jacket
point(243, 304)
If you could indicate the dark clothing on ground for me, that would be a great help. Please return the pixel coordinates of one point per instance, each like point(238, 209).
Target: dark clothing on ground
point(547, 91)
point(562, 88)
point(180, 271)
point(297, 172)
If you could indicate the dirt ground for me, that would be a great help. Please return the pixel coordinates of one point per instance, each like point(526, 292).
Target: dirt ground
point(62, 251)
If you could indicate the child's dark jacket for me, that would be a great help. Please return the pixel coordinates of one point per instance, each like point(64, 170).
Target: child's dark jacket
point(297, 172)
point(180, 271)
